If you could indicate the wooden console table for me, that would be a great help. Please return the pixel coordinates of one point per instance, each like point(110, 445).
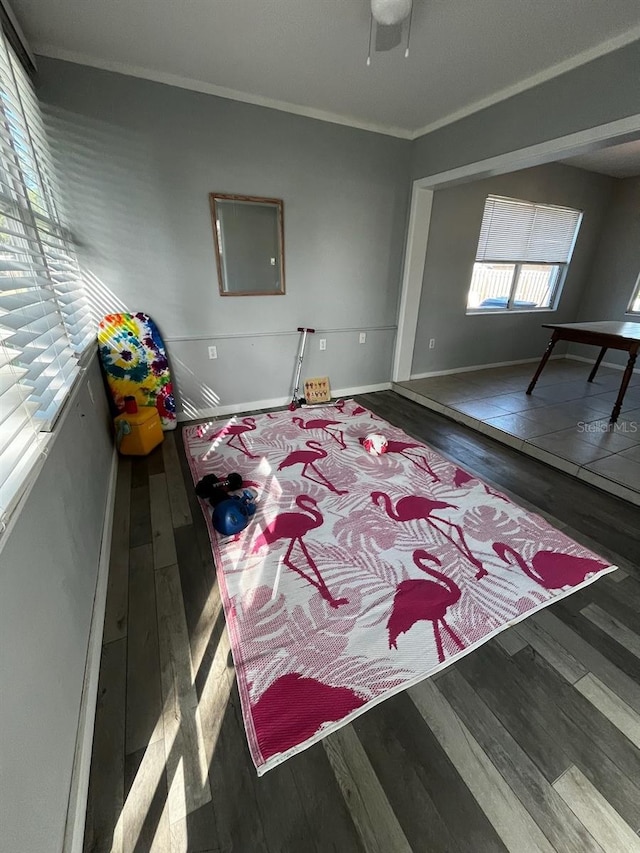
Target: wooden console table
point(606, 334)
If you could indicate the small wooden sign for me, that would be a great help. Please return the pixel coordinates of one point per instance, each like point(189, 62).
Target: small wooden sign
point(317, 390)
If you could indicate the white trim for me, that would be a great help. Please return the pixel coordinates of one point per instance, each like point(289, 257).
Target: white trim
point(276, 334)
point(275, 402)
point(411, 289)
point(544, 76)
point(571, 145)
point(180, 82)
point(602, 363)
point(491, 312)
point(232, 409)
point(473, 367)
point(219, 91)
point(77, 808)
point(361, 389)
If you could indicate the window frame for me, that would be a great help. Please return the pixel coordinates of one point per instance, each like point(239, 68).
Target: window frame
point(51, 274)
point(558, 284)
point(635, 295)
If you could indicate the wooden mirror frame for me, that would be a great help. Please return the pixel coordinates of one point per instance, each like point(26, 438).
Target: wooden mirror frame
point(279, 204)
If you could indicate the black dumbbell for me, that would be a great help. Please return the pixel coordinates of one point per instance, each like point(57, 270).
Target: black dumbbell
point(214, 489)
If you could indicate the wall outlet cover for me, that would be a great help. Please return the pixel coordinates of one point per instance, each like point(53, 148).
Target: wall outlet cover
point(363, 337)
point(213, 352)
point(323, 343)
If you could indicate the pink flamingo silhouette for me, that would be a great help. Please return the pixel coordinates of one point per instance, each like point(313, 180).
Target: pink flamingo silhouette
point(416, 507)
point(359, 410)
point(308, 458)
point(293, 526)
point(550, 569)
point(403, 447)
point(323, 425)
point(461, 478)
point(236, 432)
point(420, 600)
point(313, 704)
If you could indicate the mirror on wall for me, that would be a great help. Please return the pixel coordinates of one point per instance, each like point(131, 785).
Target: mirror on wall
point(249, 239)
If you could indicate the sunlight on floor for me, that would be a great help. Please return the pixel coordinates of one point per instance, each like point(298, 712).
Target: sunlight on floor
point(187, 783)
point(141, 796)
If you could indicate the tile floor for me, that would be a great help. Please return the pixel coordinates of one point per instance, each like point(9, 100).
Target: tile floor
point(565, 422)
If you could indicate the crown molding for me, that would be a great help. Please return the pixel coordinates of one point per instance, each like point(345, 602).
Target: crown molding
point(180, 82)
point(219, 91)
point(544, 76)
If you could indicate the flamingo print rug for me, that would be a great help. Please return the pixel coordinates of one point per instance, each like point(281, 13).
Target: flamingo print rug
point(360, 575)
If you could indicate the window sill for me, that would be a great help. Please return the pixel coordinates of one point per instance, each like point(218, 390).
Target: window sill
point(483, 312)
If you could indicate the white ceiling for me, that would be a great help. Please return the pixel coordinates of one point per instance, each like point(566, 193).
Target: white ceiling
point(618, 161)
point(309, 56)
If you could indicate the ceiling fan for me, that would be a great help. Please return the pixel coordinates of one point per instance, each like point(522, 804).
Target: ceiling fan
point(391, 18)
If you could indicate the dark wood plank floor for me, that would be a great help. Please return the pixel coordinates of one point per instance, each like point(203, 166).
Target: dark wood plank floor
point(531, 743)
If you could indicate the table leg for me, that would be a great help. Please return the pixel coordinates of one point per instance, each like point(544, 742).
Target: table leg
point(592, 375)
point(543, 360)
point(626, 376)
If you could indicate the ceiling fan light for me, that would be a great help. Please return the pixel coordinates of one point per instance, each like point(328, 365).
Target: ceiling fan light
point(390, 12)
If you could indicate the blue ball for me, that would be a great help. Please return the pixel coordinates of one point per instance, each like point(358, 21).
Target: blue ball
point(230, 517)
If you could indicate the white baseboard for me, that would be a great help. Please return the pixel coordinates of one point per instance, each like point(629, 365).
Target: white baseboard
point(361, 389)
point(233, 409)
point(250, 405)
point(77, 809)
point(473, 367)
point(602, 363)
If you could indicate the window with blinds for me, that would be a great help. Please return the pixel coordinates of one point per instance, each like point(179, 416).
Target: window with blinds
point(634, 305)
point(523, 254)
point(45, 320)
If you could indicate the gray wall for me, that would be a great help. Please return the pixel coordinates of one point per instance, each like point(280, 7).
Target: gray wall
point(463, 340)
point(616, 264)
point(603, 90)
point(48, 572)
point(140, 159)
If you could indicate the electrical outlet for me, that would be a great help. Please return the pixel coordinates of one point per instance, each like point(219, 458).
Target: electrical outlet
point(323, 343)
point(363, 337)
point(213, 352)
point(432, 343)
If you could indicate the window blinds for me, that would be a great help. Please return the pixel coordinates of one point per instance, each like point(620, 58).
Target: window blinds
point(44, 317)
point(634, 305)
point(523, 232)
